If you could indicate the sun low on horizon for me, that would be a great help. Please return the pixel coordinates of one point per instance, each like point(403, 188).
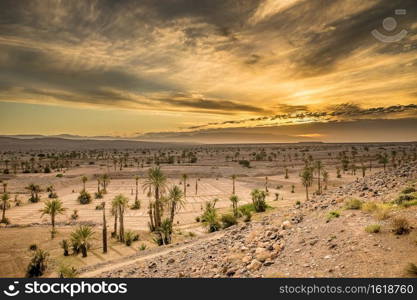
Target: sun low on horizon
point(210, 71)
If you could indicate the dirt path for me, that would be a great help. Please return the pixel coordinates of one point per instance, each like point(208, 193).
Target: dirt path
point(95, 271)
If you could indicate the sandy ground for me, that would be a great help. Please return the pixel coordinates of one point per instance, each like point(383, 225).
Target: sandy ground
point(215, 181)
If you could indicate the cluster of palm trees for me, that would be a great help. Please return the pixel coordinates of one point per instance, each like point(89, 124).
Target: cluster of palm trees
point(307, 177)
point(165, 200)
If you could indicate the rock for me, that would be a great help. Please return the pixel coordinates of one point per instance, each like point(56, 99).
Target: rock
point(254, 265)
point(170, 261)
point(286, 225)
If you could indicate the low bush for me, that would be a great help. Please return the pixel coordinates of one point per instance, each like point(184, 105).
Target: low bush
point(228, 220)
point(409, 190)
point(66, 271)
point(332, 215)
point(245, 212)
point(84, 197)
point(130, 237)
point(353, 204)
point(38, 264)
point(400, 226)
point(374, 228)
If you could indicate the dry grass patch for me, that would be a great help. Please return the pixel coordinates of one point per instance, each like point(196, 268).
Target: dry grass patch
point(411, 270)
point(374, 228)
point(400, 226)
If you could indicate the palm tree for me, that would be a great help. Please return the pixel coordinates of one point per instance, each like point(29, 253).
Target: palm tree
point(266, 184)
point(84, 180)
point(51, 190)
point(34, 192)
point(81, 237)
point(105, 180)
point(4, 187)
point(233, 181)
point(234, 199)
point(120, 201)
point(318, 166)
point(258, 200)
point(115, 213)
point(325, 178)
point(307, 179)
point(156, 180)
point(52, 208)
point(184, 180)
point(383, 159)
point(136, 193)
point(5, 203)
point(103, 204)
point(196, 186)
point(175, 200)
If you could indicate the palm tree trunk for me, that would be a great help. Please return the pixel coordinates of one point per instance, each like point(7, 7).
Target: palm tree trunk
point(115, 222)
point(172, 212)
point(152, 223)
point(307, 193)
point(234, 190)
point(4, 211)
point(157, 208)
point(136, 195)
point(121, 226)
point(104, 229)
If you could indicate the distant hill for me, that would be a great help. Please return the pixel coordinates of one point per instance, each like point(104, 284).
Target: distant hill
point(55, 143)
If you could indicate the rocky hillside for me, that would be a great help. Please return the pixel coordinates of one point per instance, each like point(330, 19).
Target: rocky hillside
point(323, 237)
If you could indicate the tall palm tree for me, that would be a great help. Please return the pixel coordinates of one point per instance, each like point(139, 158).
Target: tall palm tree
point(156, 181)
point(120, 201)
point(318, 167)
point(52, 208)
point(103, 204)
point(184, 181)
point(307, 179)
point(115, 213)
point(5, 198)
point(84, 180)
point(136, 182)
point(4, 187)
point(105, 180)
point(233, 182)
point(325, 178)
point(175, 200)
point(81, 238)
point(234, 199)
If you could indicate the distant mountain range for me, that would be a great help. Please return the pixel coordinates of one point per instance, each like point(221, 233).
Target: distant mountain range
point(73, 142)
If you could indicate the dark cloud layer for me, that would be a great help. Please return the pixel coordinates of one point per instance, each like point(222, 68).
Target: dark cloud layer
point(259, 61)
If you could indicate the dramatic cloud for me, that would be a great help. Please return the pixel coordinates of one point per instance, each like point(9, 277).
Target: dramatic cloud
point(210, 64)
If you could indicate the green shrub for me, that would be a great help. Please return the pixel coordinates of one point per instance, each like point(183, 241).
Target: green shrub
point(228, 220)
point(65, 246)
point(374, 228)
point(353, 204)
point(409, 190)
point(59, 175)
point(66, 271)
point(130, 237)
point(246, 212)
point(404, 198)
point(136, 205)
point(98, 195)
point(209, 218)
point(400, 226)
point(409, 203)
point(142, 247)
point(333, 214)
point(38, 264)
point(84, 197)
point(74, 215)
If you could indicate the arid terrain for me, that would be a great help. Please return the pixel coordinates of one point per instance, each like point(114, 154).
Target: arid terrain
point(350, 187)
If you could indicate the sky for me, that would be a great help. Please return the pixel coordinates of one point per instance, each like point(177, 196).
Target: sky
point(210, 70)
